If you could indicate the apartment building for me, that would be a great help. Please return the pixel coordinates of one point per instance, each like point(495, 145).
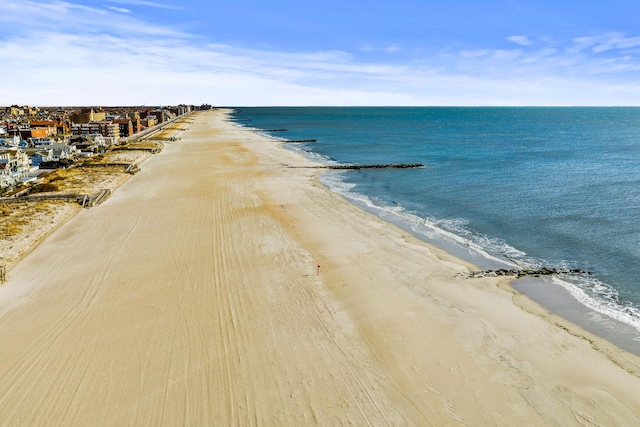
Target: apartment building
point(104, 128)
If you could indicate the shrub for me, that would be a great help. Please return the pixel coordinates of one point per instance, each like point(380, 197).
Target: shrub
point(44, 188)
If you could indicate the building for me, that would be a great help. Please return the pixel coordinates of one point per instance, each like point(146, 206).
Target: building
point(88, 144)
point(12, 128)
point(87, 115)
point(39, 155)
point(50, 125)
point(183, 109)
point(61, 151)
point(27, 133)
point(148, 122)
point(9, 141)
point(16, 111)
point(126, 127)
point(104, 128)
point(61, 126)
point(162, 115)
point(136, 124)
point(14, 166)
point(39, 129)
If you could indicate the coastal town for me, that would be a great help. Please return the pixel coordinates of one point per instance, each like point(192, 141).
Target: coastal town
point(35, 141)
point(56, 161)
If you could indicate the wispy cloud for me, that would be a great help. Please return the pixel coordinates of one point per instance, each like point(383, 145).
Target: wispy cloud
point(26, 16)
point(145, 3)
point(603, 43)
point(521, 40)
point(389, 49)
point(59, 52)
point(474, 53)
point(615, 41)
point(119, 9)
point(611, 56)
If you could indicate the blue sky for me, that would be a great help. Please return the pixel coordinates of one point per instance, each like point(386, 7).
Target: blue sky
point(267, 52)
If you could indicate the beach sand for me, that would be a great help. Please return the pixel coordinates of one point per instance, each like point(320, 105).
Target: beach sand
point(193, 297)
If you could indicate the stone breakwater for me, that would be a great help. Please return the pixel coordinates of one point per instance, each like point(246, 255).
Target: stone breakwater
point(356, 167)
point(519, 273)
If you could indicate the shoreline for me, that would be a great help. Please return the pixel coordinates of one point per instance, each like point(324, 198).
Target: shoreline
point(625, 358)
point(196, 268)
point(553, 298)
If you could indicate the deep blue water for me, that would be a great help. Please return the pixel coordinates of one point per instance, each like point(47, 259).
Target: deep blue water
point(537, 186)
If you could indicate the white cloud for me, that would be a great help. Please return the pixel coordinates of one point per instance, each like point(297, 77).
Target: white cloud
point(155, 4)
point(604, 43)
point(616, 41)
point(112, 70)
point(26, 16)
point(389, 49)
point(474, 53)
point(119, 9)
point(502, 54)
point(580, 43)
point(83, 55)
point(521, 40)
point(547, 51)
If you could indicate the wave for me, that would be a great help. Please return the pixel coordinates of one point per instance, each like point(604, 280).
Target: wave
point(451, 231)
point(589, 291)
point(601, 298)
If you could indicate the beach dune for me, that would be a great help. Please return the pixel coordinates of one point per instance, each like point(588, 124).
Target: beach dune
point(193, 296)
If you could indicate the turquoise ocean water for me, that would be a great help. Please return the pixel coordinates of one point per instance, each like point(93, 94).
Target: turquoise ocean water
point(555, 187)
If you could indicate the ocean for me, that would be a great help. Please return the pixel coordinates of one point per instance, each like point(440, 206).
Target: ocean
point(530, 187)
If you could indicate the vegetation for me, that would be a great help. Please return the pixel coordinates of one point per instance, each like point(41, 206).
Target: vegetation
point(16, 217)
point(44, 187)
point(141, 145)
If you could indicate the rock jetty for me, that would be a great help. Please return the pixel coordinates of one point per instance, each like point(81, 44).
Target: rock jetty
point(378, 166)
point(519, 273)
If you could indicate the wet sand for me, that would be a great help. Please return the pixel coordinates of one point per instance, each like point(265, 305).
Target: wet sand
point(192, 297)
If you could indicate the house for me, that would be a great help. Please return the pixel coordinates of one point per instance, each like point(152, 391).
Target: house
point(61, 151)
point(89, 144)
point(14, 166)
point(39, 155)
point(6, 178)
point(9, 141)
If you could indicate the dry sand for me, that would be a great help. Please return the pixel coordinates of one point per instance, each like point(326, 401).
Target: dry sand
point(191, 297)
point(24, 225)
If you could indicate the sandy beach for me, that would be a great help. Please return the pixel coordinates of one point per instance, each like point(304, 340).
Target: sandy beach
point(193, 297)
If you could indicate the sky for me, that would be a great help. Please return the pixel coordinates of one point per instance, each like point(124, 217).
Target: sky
point(311, 52)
